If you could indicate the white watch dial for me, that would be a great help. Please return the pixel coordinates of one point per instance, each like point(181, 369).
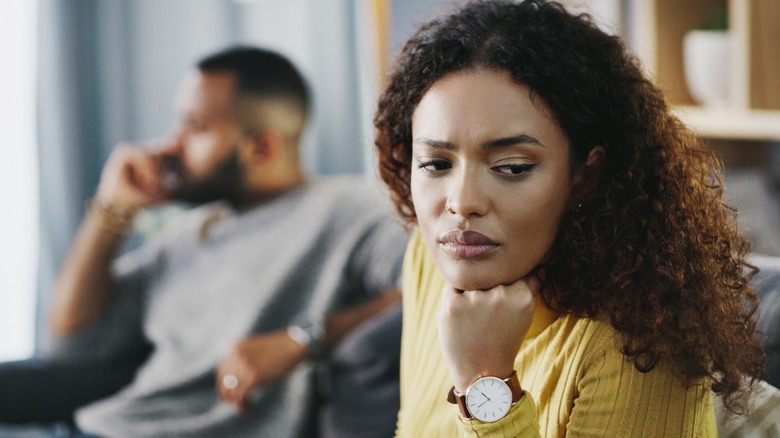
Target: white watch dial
point(489, 399)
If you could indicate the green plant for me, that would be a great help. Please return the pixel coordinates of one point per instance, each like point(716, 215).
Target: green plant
point(719, 20)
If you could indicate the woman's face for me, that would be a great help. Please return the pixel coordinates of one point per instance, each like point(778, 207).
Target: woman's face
point(490, 177)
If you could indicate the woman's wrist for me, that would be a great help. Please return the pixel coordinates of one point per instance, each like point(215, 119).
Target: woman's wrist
point(461, 382)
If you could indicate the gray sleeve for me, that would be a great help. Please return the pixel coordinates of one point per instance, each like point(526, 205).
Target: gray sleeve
point(118, 333)
point(376, 262)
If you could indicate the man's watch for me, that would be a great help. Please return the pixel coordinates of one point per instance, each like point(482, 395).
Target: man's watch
point(489, 398)
point(310, 333)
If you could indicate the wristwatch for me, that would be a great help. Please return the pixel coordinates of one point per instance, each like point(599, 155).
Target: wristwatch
point(488, 399)
point(310, 333)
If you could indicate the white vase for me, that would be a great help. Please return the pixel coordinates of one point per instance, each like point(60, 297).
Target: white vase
point(706, 65)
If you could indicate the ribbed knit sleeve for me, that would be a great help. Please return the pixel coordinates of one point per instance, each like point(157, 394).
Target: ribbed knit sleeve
point(576, 381)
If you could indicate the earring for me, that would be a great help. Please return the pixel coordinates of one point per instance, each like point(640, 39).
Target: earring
point(579, 206)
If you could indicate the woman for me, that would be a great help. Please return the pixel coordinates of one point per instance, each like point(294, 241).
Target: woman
point(575, 270)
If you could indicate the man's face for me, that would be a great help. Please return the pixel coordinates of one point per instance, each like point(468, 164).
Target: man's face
point(202, 163)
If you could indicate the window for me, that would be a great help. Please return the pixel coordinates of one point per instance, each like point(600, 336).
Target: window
point(18, 179)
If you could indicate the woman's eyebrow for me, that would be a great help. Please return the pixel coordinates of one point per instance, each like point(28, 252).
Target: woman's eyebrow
point(520, 139)
point(436, 144)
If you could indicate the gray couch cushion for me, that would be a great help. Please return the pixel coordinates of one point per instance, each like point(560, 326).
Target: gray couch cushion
point(361, 383)
point(767, 286)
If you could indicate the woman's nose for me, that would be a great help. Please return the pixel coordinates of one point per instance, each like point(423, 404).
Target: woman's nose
point(466, 196)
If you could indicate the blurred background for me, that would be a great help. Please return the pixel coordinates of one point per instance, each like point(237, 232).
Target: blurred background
point(80, 76)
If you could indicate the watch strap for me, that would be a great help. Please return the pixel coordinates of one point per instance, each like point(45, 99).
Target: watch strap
point(460, 400)
point(454, 397)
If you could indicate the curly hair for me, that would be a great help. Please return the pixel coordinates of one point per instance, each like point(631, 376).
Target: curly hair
point(651, 246)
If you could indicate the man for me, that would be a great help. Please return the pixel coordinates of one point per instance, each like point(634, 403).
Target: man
point(235, 301)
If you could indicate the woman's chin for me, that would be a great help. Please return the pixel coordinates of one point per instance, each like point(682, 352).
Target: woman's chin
point(479, 279)
point(471, 282)
point(481, 274)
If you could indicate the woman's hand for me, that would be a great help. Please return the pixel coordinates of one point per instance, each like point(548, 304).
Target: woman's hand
point(480, 331)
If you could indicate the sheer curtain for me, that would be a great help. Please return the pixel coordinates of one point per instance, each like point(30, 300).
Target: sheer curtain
point(109, 70)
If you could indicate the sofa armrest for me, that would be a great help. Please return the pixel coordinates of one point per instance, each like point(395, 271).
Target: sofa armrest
point(767, 286)
point(46, 391)
point(359, 386)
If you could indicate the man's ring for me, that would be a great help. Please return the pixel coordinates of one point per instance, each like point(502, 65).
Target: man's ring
point(230, 381)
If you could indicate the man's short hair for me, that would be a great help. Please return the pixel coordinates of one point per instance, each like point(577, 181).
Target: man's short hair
point(260, 73)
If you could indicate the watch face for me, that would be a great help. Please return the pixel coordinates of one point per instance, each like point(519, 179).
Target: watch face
point(489, 399)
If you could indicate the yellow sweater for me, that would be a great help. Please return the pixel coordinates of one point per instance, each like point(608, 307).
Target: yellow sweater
point(576, 381)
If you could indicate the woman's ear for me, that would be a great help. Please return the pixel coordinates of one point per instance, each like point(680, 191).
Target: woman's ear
point(587, 176)
point(596, 157)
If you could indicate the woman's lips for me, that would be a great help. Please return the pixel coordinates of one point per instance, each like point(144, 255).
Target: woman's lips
point(467, 244)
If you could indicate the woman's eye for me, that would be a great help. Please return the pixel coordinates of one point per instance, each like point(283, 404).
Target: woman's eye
point(433, 165)
point(514, 169)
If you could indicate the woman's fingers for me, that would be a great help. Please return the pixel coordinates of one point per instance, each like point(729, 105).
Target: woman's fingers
point(480, 332)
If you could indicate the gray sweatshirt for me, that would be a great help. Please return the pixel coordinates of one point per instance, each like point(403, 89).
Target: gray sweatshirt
point(332, 243)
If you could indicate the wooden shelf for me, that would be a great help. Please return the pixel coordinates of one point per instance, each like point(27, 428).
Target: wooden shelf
point(736, 124)
point(657, 29)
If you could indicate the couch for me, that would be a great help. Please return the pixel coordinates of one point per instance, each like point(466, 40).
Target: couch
point(67, 385)
point(767, 286)
point(359, 386)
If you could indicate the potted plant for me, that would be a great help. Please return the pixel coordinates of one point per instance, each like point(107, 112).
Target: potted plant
point(706, 60)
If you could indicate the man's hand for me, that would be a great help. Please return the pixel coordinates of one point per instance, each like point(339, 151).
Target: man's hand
point(254, 362)
point(131, 178)
point(480, 332)
point(259, 360)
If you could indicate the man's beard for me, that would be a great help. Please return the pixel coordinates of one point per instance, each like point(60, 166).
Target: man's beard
point(224, 182)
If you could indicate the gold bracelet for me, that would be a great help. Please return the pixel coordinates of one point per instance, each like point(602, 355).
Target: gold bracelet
point(112, 219)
